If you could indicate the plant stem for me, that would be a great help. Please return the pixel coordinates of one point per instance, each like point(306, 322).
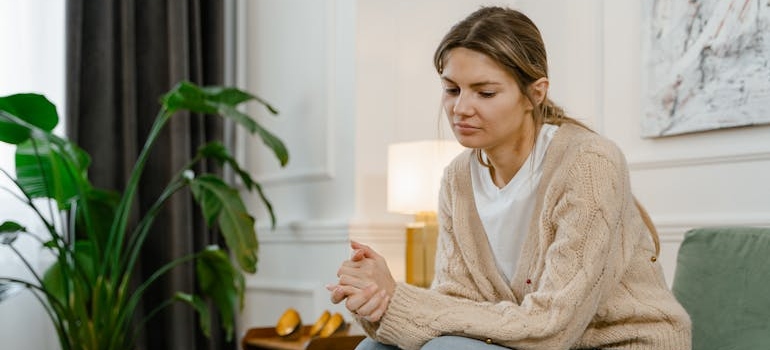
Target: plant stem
point(26, 263)
point(137, 239)
point(118, 229)
point(32, 286)
point(139, 292)
point(140, 233)
point(136, 242)
point(165, 304)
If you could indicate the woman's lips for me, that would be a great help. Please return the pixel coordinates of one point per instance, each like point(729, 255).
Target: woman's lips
point(465, 128)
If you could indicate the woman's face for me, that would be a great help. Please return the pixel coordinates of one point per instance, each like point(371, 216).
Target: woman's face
point(485, 106)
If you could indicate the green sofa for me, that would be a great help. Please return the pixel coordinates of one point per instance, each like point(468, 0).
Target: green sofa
point(722, 279)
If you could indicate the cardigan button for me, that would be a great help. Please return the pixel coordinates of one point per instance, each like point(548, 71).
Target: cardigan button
point(488, 341)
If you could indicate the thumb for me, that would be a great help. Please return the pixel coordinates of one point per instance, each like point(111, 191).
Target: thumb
point(357, 255)
point(367, 251)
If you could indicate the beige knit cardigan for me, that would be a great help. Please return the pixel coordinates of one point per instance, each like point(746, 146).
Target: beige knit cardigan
point(585, 277)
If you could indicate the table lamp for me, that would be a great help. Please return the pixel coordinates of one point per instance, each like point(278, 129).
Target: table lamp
point(414, 177)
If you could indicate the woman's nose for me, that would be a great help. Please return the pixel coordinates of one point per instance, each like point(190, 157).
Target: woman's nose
point(462, 105)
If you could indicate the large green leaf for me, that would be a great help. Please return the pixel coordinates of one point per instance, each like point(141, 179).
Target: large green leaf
point(12, 133)
point(223, 204)
point(218, 280)
point(189, 96)
point(194, 98)
point(30, 110)
point(46, 170)
point(223, 101)
point(229, 96)
point(275, 144)
point(218, 152)
point(269, 139)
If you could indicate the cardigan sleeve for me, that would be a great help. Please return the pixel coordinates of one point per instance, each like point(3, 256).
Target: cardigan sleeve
point(582, 263)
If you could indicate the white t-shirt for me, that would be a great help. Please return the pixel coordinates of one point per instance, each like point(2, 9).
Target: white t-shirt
point(506, 212)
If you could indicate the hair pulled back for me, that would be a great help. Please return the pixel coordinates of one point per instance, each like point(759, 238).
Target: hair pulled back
point(511, 39)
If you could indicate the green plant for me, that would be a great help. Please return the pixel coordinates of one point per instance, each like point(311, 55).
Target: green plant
point(88, 291)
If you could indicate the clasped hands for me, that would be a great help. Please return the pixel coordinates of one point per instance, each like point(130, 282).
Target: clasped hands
point(365, 283)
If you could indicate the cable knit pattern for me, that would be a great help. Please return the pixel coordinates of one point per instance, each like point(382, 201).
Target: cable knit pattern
point(584, 279)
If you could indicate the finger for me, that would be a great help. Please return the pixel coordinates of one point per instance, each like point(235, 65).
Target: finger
point(355, 245)
point(354, 281)
point(372, 304)
point(368, 251)
point(349, 268)
point(360, 274)
point(365, 272)
point(353, 264)
point(357, 255)
point(341, 293)
point(379, 312)
point(358, 299)
point(336, 295)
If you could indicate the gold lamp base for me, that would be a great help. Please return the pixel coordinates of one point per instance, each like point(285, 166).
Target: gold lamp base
point(421, 237)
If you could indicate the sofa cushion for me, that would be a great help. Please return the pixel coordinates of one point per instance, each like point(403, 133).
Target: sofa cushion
point(722, 279)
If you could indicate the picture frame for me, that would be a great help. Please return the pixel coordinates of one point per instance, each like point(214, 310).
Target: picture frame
point(706, 65)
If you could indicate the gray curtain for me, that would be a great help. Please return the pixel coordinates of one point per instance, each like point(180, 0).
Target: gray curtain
point(122, 55)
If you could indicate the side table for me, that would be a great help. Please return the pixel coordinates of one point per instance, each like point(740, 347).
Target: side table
point(266, 339)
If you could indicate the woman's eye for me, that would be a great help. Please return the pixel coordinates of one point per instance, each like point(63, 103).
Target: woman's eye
point(487, 94)
point(451, 90)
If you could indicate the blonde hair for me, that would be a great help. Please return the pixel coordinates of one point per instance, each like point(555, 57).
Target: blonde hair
point(512, 40)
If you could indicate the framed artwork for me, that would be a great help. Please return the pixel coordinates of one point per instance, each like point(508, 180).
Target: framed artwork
point(706, 65)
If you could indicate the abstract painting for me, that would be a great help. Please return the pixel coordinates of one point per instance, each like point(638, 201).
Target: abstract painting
point(706, 65)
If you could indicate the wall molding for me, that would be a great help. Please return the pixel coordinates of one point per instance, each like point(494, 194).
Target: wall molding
point(272, 285)
point(324, 169)
point(298, 176)
point(676, 225)
point(650, 164)
point(324, 172)
point(331, 231)
point(378, 232)
point(305, 232)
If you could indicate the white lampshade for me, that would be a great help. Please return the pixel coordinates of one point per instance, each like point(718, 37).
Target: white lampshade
point(414, 174)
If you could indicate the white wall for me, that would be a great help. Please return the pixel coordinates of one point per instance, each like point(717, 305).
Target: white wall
point(32, 60)
point(362, 72)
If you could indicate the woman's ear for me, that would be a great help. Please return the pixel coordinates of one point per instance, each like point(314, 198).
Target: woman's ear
point(538, 90)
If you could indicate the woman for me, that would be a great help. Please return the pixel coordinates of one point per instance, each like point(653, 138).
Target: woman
point(541, 244)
